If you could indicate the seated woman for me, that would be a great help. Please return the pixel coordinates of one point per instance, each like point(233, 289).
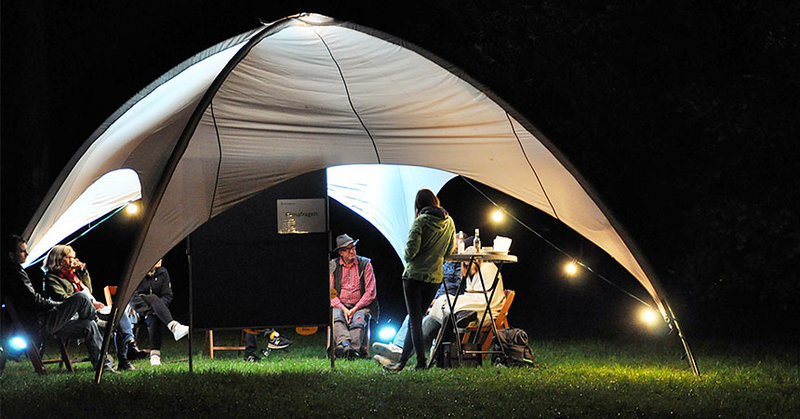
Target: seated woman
point(65, 276)
point(478, 288)
point(150, 300)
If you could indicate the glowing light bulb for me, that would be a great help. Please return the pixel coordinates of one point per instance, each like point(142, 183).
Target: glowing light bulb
point(648, 316)
point(131, 208)
point(497, 215)
point(571, 268)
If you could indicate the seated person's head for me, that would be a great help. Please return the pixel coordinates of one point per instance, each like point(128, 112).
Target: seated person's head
point(15, 248)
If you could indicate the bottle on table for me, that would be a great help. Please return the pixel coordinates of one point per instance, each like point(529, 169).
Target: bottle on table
point(477, 242)
point(460, 242)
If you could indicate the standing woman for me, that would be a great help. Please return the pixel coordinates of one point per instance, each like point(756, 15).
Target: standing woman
point(432, 237)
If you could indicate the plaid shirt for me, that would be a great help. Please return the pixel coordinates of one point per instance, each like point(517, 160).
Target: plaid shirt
point(351, 286)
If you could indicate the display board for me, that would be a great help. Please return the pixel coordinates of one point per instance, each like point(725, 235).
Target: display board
point(245, 273)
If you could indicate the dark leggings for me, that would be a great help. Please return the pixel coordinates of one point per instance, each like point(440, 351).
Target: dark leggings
point(160, 315)
point(418, 296)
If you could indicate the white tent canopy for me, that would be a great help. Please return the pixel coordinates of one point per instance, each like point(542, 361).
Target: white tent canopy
point(307, 93)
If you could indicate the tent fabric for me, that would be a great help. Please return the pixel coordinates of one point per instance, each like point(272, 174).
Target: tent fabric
point(307, 93)
point(384, 195)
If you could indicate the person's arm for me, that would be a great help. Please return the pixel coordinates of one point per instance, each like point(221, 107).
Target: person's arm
point(335, 302)
point(370, 291)
point(56, 287)
point(85, 278)
point(413, 242)
point(166, 287)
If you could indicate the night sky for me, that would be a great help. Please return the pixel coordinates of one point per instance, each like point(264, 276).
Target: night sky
point(682, 115)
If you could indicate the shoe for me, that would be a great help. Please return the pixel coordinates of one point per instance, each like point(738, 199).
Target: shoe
point(395, 366)
point(350, 352)
point(108, 369)
point(126, 365)
point(251, 358)
point(388, 350)
point(178, 330)
point(135, 353)
point(341, 349)
point(420, 367)
point(277, 341)
point(384, 361)
point(155, 357)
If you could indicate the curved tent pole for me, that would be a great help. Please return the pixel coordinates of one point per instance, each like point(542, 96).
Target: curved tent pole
point(169, 169)
point(673, 320)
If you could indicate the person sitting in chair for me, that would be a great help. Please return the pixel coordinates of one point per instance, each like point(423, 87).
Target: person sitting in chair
point(353, 280)
point(72, 318)
point(67, 275)
point(150, 300)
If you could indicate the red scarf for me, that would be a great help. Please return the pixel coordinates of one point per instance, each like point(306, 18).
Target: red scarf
point(69, 275)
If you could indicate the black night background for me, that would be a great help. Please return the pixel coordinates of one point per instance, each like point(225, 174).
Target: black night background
point(683, 116)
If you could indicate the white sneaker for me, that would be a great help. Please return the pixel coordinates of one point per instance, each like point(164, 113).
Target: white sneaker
point(178, 330)
point(384, 361)
point(155, 357)
point(387, 350)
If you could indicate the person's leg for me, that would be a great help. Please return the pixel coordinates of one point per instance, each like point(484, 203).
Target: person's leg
point(88, 331)
point(78, 303)
point(341, 333)
point(418, 296)
point(357, 326)
point(250, 347)
point(159, 308)
point(402, 333)
point(154, 326)
point(430, 327)
point(124, 336)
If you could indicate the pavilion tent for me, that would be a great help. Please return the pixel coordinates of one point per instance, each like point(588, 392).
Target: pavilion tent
point(302, 94)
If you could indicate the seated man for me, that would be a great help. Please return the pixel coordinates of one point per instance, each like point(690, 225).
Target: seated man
point(54, 317)
point(150, 301)
point(353, 280)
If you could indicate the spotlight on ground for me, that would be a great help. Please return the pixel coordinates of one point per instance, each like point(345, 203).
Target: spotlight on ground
point(387, 332)
point(18, 343)
point(131, 208)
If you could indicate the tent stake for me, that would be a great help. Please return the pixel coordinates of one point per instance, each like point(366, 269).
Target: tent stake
point(686, 348)
point(191, 306)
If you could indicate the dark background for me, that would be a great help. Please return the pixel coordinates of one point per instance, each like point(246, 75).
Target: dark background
point(682, 114)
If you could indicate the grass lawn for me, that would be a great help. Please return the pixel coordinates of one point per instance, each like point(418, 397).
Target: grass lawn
point(578, 378)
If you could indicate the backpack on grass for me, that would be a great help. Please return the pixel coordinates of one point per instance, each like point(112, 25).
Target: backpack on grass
point(515, 345)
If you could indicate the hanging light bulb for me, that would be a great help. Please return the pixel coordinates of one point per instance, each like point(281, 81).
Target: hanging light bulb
point(497, 215)
point(571, 268)
point(131, 208)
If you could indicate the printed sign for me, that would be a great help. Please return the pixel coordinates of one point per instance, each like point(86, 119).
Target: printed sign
point(301, 216)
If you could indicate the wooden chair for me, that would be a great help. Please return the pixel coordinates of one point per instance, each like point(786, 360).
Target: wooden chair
point(210, 347)
point(110, 291)
point(33, 355)
point(500, 322)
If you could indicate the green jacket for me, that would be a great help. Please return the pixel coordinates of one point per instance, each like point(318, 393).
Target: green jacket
point(432, 237)
point(59, 289)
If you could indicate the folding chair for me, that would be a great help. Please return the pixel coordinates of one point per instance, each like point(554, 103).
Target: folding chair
point(34, 356)
point(366, 338)
point(500, 322)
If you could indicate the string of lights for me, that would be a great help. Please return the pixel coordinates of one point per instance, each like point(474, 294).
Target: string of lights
point(573, 260)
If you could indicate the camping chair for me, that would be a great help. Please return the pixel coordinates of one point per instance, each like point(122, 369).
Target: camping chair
point(34, 356)
point(110, 291)
point(500, 322)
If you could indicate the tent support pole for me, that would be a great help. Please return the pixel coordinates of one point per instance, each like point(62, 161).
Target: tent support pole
point(98, 371)
point(686, 348)
point(191, 306)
